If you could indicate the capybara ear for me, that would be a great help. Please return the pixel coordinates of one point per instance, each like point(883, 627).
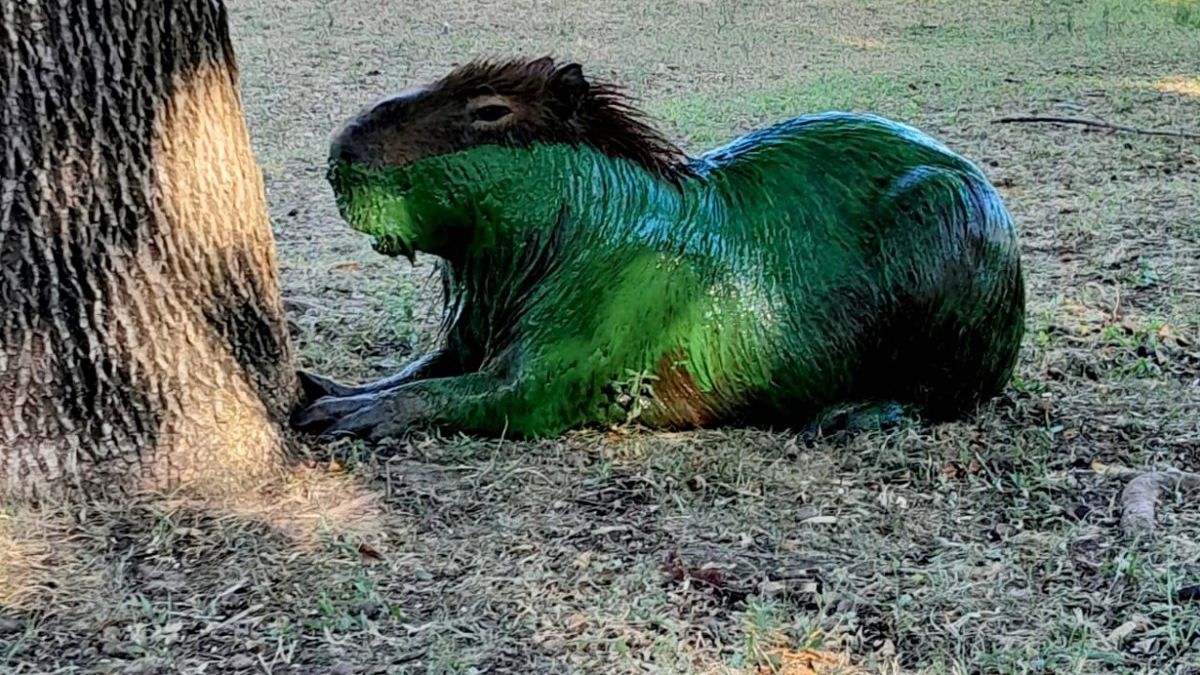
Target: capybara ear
point(568, 89)
point(542, 64)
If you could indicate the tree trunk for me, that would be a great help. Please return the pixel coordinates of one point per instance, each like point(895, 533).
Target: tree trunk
point(143, 342)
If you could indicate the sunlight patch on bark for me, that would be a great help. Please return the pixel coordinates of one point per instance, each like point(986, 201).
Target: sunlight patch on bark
point(222, 438)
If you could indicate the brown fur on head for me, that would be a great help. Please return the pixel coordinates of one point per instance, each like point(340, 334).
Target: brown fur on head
point(515, 103)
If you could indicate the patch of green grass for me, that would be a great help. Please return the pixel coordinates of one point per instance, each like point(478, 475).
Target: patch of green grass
point(761, 625)
point(446, 657)
point(1186, 13)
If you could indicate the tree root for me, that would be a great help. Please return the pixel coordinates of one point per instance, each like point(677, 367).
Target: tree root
point(1140, 497)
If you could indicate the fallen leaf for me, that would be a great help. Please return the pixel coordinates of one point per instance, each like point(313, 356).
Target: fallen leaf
point(808, 662)
point(576, 623)
point(369, 552)
point(820, 520)
point(1118, 634)
point(1146, 645)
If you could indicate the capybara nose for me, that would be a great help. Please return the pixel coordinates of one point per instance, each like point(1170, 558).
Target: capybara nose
point(342, 147)
point(362, 137)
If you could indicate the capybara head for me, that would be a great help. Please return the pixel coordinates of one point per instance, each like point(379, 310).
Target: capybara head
point(512, 103)
point(407, 169)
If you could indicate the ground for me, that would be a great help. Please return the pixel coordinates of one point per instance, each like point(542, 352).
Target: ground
point(988, 546)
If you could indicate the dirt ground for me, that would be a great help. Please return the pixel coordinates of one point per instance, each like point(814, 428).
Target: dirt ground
point(989, 546)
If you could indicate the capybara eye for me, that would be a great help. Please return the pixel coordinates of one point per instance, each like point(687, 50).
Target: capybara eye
point(490, 113)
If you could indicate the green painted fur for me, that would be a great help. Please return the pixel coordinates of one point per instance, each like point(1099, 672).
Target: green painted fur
point(828, 260)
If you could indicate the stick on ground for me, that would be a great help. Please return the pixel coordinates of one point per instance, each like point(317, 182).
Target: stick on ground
point(1037, 119)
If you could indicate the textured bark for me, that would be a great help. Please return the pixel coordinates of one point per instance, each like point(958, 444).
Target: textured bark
point(143, 343)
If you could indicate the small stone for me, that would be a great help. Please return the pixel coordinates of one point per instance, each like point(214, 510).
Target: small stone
point(1079, 511)
point(343, 668)
point(1001, 531)
point(1188, 594)
point(241, 662)
point(147, 665)
point(8, 626)
point(369, 609)
point(111, 643)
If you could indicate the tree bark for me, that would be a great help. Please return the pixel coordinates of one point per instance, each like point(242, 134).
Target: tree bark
point(143, 341)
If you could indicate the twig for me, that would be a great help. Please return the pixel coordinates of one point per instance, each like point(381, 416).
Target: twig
point(1035, 119)
point(231, 620)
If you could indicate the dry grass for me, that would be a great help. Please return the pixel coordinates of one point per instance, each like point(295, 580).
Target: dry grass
point(989, 546)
